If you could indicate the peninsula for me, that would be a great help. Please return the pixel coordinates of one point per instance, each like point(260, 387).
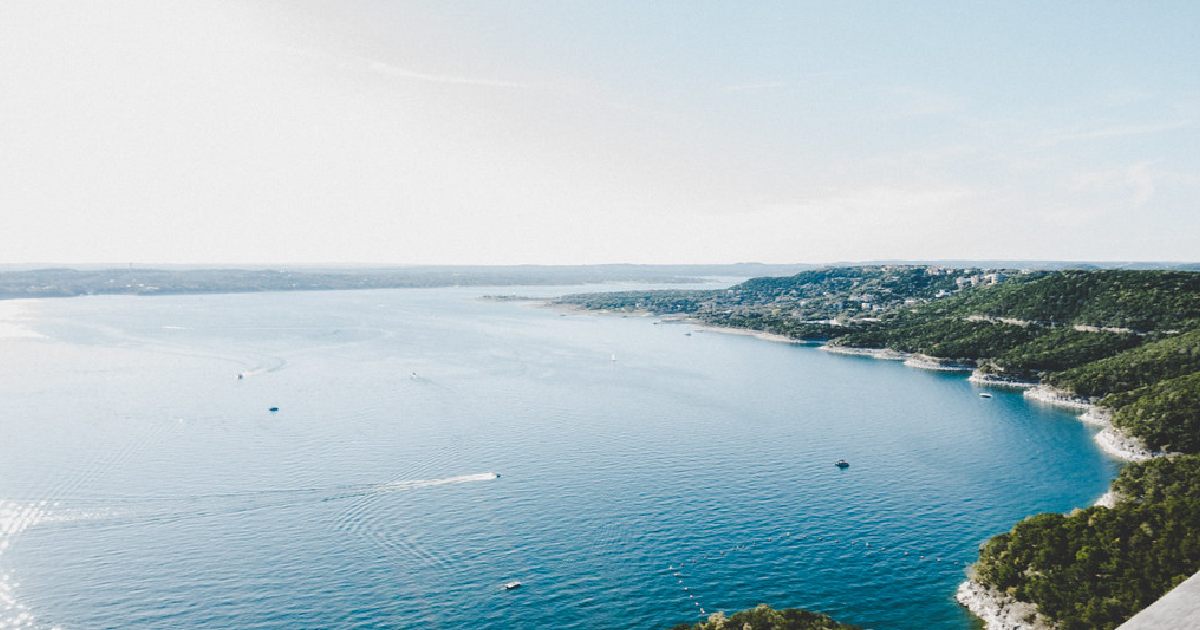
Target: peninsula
point(1121, 347)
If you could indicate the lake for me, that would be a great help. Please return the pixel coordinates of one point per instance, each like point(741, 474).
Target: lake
point(645, 474)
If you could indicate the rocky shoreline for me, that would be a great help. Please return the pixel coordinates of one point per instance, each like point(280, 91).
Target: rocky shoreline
point(999, 611)
point(1108, 499)
point(938, 364)
point(1058, 398)
point(1110, 439)
point(993, 380)
point(919, 361)
point(1119, 444)
point(883, 354)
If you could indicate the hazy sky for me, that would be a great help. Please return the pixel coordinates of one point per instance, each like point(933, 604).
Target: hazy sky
point(587, 132)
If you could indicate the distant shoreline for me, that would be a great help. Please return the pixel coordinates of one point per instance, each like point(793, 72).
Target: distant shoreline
point(68, 282)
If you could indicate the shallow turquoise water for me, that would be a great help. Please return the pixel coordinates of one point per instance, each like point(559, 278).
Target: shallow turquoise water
point(173, 498)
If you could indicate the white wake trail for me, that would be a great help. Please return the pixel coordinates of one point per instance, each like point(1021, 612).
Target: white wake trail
point(425, 483)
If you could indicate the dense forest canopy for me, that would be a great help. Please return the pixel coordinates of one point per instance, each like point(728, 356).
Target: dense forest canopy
point(1154, 361)
point(1166, 415)
point(1139, 300)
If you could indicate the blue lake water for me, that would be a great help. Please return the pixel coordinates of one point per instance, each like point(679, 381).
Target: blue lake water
point(143, 485)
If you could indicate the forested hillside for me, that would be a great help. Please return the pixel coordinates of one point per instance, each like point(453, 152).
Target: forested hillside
point(1169, 357)
point(1142, 301)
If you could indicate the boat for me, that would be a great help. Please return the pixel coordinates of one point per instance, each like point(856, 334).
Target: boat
point(985, 395)
point(241, 375)
point(687, 334)
point(273, 409)
point(841, 463)
point(508, 586)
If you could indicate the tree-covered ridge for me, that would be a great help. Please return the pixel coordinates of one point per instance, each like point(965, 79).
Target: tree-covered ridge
point(763, 617)
point(1061, 349)
point(1170, 357)
point(1138, 300)
point(1165, 415)
point(1097, 567)
point(950, 338)
point(1158, 480)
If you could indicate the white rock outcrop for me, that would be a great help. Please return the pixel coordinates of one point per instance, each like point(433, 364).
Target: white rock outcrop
point(999, 611)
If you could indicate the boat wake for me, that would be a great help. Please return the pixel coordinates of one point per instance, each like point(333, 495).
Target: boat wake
point(266, 365)
point(18, 516)
point(392, 486)
point(367, 517)
point(81, 511)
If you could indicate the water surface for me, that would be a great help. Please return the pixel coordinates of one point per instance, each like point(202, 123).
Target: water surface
point(144, 485)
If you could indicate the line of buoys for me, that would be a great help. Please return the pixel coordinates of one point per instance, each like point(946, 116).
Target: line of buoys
point(678, 575)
